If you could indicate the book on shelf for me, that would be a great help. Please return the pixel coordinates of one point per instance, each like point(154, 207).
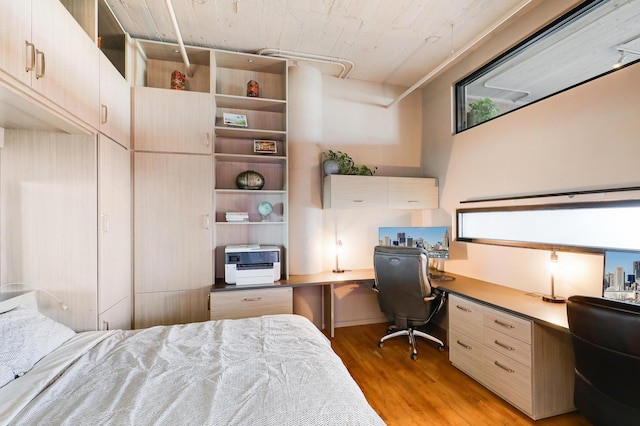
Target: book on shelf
point(237, 216)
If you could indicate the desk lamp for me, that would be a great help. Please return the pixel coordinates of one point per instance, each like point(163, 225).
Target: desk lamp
point(338, 251)
point(553, 267)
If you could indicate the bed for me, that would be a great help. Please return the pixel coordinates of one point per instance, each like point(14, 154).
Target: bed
point(269, 370)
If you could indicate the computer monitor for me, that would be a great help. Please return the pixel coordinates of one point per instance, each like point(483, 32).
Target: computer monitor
point(621, 279)
point(434, 239)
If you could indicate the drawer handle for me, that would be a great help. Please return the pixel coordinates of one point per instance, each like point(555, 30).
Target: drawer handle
point(358, 201)
point(504, 324)
point(463, 345)
point(502, 345)
point(462, 308)
point(252, 299)
point(507, 369)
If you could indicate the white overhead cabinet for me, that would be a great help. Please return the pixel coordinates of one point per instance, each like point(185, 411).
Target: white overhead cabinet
point(48, 51)
point(115, 103)
point(173, 121)
point(381, 192)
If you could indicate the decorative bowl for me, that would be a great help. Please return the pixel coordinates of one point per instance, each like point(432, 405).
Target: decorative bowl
point(250, 180)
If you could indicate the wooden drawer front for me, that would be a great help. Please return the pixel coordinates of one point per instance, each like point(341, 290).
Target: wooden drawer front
point(355, 192)
point(465, 316)
point(251, 303)
point(508, 378)
point(508, 346)
point(508, 324)
point(466, 354)
point(412, 193)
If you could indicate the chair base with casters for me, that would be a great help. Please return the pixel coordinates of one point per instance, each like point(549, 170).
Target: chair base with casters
point(412, 333)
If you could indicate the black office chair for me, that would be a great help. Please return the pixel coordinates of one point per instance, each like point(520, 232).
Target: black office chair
point(405, 294)
point(606, 345)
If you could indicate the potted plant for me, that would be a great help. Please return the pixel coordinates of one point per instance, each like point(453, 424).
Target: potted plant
point(480, 111)
point(338, 162)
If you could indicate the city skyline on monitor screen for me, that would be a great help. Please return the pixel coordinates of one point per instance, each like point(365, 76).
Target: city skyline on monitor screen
point(621, 276)
point(434, 239)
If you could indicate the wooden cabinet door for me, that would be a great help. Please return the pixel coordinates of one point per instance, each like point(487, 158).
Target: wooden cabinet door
point(412, 193)
point(172, 121)
point(114, 225)
point(49, 220)
point(117, 317)
point(355, 192)
point(173, 202)
point(115, 103)
point(15, 32)
point(67, 61)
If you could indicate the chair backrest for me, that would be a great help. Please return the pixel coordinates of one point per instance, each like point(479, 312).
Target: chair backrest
point(606, 343)
point(402, 282)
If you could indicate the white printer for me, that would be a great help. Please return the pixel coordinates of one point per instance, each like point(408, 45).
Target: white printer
point(251, 264)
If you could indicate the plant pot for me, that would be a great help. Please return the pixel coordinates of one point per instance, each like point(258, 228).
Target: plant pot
point(331, 167)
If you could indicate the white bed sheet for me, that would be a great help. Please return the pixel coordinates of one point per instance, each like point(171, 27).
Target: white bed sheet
point(271, 370)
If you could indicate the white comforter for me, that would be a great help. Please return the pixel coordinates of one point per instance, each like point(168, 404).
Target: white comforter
point(271, 370)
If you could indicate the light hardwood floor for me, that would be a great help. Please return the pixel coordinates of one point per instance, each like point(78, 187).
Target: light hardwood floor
point(428, 391)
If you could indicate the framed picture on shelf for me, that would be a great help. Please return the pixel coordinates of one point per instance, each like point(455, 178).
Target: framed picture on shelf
point(234, 120)
point(261, 146)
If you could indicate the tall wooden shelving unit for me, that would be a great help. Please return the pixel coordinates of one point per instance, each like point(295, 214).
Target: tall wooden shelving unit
point(234, 153)
point(171, 125)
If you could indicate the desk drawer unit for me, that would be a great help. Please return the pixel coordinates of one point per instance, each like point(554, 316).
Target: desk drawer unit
point(232, 304)
point(527, 364)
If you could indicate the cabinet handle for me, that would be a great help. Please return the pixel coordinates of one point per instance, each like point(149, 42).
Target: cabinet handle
point(105, 113)
point(208, 140)
point(40, 70)
point(207, 221)
point(30, 51)
point(464, 345)
point(358, 201)
point(462, 308)
point(413, 201)
point(252, 299)
point(502, 345)
point(505, 368)
point(504, 324)
point(105, 223)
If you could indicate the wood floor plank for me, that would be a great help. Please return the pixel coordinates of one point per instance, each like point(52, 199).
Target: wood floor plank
point(427, 391)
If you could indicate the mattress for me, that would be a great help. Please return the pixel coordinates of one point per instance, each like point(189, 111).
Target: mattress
point(270, 370)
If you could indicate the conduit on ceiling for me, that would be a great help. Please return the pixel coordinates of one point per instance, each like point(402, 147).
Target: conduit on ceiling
point(459, 53)
point(183, 50)
point(344, 64)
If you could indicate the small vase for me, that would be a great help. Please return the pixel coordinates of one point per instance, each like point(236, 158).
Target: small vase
point(331, 167)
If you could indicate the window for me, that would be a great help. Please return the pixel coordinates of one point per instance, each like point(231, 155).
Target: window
point(594, 39)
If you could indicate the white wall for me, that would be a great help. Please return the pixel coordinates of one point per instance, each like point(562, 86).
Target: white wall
point(584, 138)
point(355, 121)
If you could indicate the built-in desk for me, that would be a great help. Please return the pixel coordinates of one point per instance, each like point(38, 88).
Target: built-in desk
point(518, 302)
point(327, 280)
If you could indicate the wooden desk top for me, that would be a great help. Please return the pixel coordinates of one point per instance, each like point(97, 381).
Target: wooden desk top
point(321, 278)
point(518, 302)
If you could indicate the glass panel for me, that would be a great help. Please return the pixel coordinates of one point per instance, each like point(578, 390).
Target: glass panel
point(598, 37)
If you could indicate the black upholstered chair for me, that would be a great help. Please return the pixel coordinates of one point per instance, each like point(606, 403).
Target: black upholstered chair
point(606, 344)
point(405, 294)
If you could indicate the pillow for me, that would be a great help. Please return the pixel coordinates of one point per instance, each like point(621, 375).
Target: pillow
point(27, 336)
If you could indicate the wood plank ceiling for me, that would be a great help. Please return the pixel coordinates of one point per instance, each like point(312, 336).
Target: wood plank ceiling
point(394, 42)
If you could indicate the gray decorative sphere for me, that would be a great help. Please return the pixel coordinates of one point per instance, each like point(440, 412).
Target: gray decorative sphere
point(250, 180)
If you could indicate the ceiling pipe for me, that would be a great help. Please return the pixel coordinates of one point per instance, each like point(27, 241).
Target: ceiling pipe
point(345, 64)
point(183, 50)
point(459, 53)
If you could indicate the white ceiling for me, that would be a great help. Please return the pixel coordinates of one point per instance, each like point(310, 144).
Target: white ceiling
point(388, 41)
